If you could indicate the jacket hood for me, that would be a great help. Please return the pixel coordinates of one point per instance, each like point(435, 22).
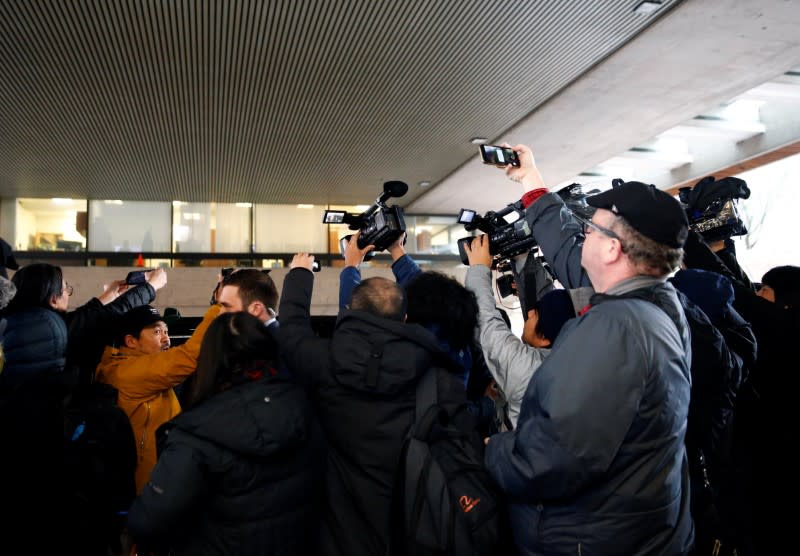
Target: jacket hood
point(710, 291)
point(369, 353)
point(255, 419)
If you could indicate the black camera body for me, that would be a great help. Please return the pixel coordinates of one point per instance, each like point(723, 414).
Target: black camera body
point(506, 239)
point(380, 225)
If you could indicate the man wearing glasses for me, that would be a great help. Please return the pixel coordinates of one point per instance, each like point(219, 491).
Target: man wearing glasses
point(597, 463)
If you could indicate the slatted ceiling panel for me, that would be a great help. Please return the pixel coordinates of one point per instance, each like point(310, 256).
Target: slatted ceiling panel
point(280, 101)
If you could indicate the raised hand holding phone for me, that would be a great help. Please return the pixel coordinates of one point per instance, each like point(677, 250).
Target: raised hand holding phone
point(498, 155)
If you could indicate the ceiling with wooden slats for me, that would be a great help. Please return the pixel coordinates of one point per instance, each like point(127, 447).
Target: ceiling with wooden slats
point(296, 101)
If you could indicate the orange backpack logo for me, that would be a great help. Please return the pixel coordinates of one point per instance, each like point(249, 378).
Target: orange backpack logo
point(467, 503)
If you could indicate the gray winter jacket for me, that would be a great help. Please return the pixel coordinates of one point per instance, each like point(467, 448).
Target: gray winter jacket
point(511, 361)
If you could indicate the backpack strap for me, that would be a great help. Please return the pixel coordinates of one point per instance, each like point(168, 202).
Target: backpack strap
point(427, 393)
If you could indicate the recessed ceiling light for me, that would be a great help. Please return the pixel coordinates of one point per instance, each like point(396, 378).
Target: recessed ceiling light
point(424, 183)
point(305, 206)
point(479, 140)
point(647, 7)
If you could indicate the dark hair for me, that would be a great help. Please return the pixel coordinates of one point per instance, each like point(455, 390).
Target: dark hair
point(380, 297)
point(437, 299)
point(233, 344)
point(36, 283)
point(785, 282)
point(254, 285)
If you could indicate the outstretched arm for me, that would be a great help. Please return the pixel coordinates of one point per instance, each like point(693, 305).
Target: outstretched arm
point(350, 277)
point(404, 267)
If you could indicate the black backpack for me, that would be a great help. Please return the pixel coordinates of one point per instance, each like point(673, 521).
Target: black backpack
point(444, 500)
point(100, 458)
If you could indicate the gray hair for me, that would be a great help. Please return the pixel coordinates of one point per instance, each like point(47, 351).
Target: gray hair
point(7, 291)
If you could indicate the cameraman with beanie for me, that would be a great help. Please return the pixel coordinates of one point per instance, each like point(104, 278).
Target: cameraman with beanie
point(597, 463)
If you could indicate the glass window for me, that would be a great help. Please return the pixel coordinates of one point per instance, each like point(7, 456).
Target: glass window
point(769, 214)
point(433, 235)
point(290, 229)
point(50, 225)
point(191, 227)
point(129, 226)
point(231, 225)
point(211, 227)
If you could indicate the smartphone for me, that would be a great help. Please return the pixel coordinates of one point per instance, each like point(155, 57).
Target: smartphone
point(499, 156)
point(135, 277)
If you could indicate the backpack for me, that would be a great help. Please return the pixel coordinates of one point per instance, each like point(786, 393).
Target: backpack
point(100, 459)
point(444, 500)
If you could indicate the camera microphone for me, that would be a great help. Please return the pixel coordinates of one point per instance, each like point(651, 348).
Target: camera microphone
point(392, 189)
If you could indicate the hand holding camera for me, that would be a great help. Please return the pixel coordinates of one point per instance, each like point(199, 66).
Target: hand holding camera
point(477, 250)
point(499, 155)
point(353, 254)
point(380, 225)
point(508, 232)
point(525, 171)
point(157, 278)
point(112, 291)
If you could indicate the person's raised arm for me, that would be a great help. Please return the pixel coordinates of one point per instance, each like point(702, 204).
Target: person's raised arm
point(526, 173)
point(557, 231)
point(404, 267)
point(302, 350)
point(350, 277)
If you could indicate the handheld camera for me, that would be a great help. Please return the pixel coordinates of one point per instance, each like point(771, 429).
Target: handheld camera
point(508, 231)
point(380, 224)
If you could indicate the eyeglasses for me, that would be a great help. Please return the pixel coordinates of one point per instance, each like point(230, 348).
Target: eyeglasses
point(589, 227)
point(69, 289)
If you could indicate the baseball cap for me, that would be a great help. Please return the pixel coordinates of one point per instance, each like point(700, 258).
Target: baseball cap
point(651, 212)
point(139, 318)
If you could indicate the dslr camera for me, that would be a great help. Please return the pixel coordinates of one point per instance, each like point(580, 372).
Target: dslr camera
point(380, 225)
point(508, 231)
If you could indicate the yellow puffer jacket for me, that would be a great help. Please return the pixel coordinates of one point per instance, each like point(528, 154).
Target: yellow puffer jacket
point(145, 385)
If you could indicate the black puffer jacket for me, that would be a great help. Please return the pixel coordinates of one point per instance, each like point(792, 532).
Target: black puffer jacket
point(34, 341)
point(32, 390)
point(363, 381)
point(240, 474)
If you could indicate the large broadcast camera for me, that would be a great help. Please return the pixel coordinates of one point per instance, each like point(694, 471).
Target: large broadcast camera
point(711, 207)
point(507, 237)
point(380, 225)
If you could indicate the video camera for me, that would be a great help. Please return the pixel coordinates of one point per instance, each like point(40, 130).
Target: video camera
point(380, 225)
point(711, 207)
point(575, 199)
point(507, 238)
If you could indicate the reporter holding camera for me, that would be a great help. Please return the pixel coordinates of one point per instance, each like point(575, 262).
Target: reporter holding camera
point(597, 463)
point(511, 360)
